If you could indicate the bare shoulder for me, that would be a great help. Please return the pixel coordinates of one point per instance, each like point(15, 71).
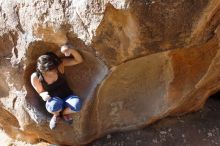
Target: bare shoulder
point(34, 76)
point(34, 79)
point(36, 83)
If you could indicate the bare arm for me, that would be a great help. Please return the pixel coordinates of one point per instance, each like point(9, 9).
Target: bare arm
point(36, 83)
point(38, 87)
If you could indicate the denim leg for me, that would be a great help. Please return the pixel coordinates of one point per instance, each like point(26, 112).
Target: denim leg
point(54, 104)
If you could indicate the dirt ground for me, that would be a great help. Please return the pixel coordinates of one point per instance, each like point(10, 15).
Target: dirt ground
point(201, 128)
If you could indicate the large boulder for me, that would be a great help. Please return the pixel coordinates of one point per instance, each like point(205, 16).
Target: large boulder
point(143, 61)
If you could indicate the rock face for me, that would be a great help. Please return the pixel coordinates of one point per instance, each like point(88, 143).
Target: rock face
point(143, 60)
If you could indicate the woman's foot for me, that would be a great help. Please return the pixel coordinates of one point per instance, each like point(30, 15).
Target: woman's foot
point(53, 121)
point(68, 119)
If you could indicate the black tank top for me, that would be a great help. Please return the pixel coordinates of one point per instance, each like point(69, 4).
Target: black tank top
point(59, 88)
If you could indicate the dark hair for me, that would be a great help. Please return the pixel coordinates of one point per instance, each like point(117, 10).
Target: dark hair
point(47, 61)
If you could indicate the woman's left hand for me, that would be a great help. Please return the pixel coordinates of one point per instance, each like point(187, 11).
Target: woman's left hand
point(68, 50)
point(65, 50)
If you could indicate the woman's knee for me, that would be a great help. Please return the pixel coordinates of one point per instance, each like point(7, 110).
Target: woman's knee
point(74, 103)
point(54, 105)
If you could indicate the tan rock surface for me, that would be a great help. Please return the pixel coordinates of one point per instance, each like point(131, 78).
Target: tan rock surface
point(144, 60)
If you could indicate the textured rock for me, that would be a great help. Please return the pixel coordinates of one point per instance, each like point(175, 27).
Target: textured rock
point(144, 60)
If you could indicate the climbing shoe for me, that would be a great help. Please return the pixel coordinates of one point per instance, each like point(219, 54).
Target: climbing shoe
point(53, 122)
point(68, 119)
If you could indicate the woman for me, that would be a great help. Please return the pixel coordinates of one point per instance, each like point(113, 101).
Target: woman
point(49, 82)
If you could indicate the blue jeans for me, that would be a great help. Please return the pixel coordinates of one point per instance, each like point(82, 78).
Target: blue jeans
point(55, 104)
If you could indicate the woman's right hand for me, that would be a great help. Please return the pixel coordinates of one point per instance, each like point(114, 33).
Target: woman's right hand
point(45, 96)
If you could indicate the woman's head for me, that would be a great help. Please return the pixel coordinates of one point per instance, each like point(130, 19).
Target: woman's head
point(47, 62)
